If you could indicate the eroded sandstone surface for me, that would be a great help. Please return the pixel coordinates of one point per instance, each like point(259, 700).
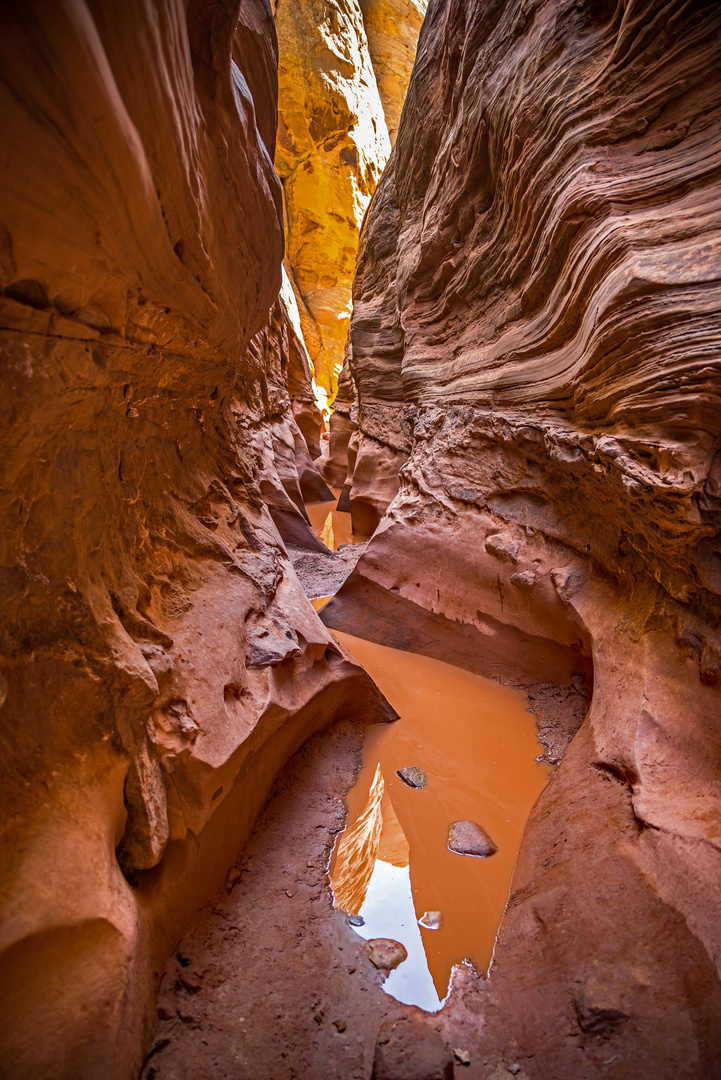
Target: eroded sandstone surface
point(160, 660)
point(534, 341)
point(332, 146)
point(528, 422)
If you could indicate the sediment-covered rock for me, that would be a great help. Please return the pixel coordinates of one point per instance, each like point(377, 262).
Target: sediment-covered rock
point(160, 661)
point(536, 326)
point(267, 412)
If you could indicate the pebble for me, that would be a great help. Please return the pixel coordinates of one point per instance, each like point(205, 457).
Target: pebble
point(462, 1056)
point(288, 892)
point(514, 1068)
point(356, 920)
point(431, 920)
point(524, 580)
point(412, 776)
point(386, 953)
point(468, 838)
point(340, 1025)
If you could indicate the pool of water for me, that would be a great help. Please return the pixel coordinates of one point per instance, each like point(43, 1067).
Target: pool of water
point(332, 526)
point(476, 742)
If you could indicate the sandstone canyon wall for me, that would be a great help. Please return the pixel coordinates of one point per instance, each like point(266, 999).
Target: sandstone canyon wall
point(392, 28)
point(343, 73)
point(159, 659)
point(535, 403)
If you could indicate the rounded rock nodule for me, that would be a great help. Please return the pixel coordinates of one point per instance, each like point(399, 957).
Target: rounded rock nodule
point(407, 1049)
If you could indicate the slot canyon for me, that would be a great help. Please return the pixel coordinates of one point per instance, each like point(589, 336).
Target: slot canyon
point(360, 694)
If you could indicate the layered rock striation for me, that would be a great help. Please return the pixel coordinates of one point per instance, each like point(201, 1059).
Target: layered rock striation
point(535, 342)
point(159, 660)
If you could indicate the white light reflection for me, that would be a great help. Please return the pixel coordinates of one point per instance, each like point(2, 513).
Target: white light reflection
point(389, 912)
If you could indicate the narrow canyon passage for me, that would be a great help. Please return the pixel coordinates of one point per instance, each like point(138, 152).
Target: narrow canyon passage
point(331, 525)
point(360, 540)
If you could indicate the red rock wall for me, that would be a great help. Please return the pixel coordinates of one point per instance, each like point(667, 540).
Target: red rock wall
point(537, 304)
point(159, 659)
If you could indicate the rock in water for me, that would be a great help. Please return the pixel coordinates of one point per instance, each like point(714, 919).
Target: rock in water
point(431, 920)
point(408, 1050)
point(386, 953)
point(412, 776)
point(468, 838)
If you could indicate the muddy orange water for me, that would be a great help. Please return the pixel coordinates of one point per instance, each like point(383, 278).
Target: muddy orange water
point(477, 744)
point(332, 526)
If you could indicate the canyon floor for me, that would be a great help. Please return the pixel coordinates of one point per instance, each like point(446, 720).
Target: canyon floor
point(272, 983)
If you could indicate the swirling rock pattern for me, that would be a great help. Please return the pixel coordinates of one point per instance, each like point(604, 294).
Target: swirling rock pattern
point(156, 644)
point(536, 333)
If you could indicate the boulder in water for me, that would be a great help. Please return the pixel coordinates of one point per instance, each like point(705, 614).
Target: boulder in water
point(468, 838)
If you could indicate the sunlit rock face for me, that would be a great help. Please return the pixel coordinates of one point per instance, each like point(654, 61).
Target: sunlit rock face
point(288, 477)
point(536, 332)
point(160, 661)
point(392, 28)
point(309, 400)
point(343, 74)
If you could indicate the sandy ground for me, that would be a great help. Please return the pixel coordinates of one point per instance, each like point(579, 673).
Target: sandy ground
point(272, 983)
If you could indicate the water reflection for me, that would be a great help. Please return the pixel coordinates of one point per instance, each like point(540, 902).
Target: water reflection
point(388, 911)
point(332, 526)
point(357, 851)
point(370, 877)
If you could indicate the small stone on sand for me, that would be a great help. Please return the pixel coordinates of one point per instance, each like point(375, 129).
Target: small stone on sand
point(408, 1050)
